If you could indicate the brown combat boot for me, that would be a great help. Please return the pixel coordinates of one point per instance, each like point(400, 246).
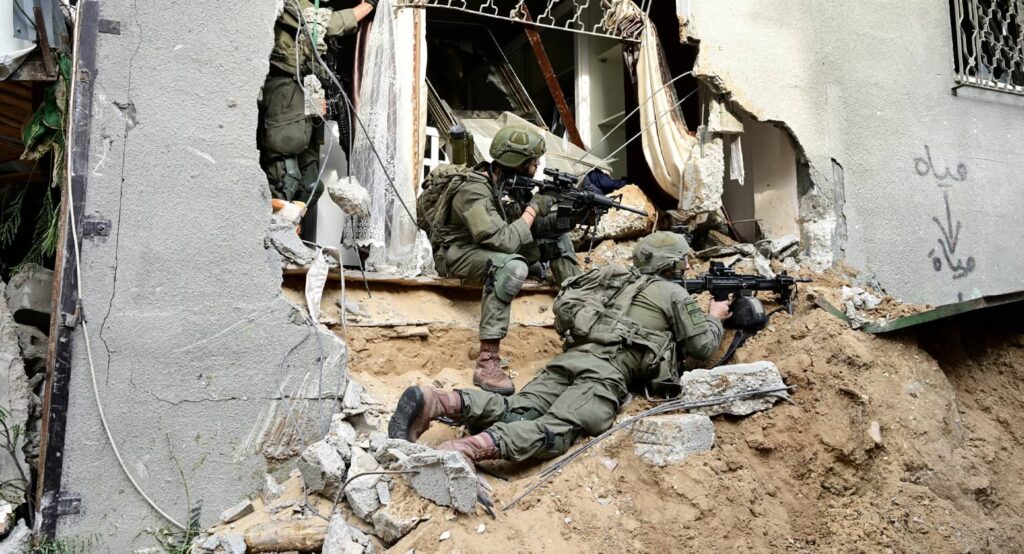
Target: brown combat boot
point(475, 448)
point(488, 374)
point(418, 406)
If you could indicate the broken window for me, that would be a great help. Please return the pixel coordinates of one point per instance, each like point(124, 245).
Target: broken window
point(988, 44)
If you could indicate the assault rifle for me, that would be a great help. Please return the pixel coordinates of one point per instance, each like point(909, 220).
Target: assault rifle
point(748, 315)
point(574, 206)
point(722, 281)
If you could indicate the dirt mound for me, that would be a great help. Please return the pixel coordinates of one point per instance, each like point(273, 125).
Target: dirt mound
point(906, 443)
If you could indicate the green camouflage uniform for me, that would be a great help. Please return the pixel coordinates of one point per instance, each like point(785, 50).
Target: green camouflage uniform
point(290, 150)
point(581, 390)
point(483, 242)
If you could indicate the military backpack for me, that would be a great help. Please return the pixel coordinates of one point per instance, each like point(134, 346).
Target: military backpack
point(433, 206)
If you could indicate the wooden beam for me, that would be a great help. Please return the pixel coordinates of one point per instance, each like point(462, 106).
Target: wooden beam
point(44, 41)
point(551, 79)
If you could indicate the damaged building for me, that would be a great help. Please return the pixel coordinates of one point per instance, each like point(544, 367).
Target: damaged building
point(200, 349)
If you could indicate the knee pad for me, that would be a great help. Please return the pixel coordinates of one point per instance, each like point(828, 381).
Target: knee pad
point(557, 443)
point(528, 414)
point(508, 278)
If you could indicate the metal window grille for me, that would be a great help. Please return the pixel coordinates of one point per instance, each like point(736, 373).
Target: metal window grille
point(564, 15)
point(989, 44)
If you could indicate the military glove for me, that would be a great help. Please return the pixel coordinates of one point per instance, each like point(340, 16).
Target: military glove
point(542, 204)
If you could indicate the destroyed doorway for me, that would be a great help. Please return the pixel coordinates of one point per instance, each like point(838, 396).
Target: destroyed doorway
point(760, 195)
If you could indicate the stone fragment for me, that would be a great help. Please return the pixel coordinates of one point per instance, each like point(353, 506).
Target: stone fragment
point(29, 294)
point(716, 238)
point(395, 521)
point(670, 439)
point(323, 470)
point(779, 248)
point(271, 489)
point(444, 477)
point(622, 225)
point(218, 543)
point(383, 492)
point(480, 529)
point(444, 536)
point(282, 237)
point(351, 403)
point(727, 380)
point(342, 428)
point(236, 512)
point(349, 195)
point(342, 538)
point(875, 432)
point(361, 492)
point(19, 541)
point(856, 301)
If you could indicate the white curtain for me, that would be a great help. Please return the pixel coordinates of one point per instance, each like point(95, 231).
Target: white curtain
point(393, 109)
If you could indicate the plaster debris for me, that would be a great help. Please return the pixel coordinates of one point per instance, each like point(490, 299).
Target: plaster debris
point(282, 237)
point(236, 512)
point(233, 543)
point(856, 301)
point(670, 439)
point(361, 493)
point(444, 477)
point(444, 536)
point(342, 538)
point(395, 521)
point(779, 248)
point(19, 541)
point(322, 468)
point(350, 196)
point(271, 489)
point(14, 396)
point(28, 296)
point(702, 384)
point(875, 432)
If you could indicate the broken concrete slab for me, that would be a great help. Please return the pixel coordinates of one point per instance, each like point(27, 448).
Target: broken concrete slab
point(703, 384)
point(219, 543)
point(282, 237)
point(670, 439)
point(322, 468)
point(779, 248)
point(361, 492)
point(341, 428)
point(28, 296)
point(396, 520)
point(444, 477)
point(342, 538)
point(236, 512)
point(349, 195)
point(19, 541)
point(623, 225)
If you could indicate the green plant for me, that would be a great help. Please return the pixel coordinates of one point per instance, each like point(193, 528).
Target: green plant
point(12, 490)
point(67, 545)
point(180, 542)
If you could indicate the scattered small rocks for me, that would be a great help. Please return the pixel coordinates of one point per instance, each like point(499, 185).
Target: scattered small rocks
point(856, 300)
point(670, 439)
point(727, 380)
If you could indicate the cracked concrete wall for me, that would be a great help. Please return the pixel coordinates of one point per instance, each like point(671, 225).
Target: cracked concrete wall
point(193, 341)
point(929, 182)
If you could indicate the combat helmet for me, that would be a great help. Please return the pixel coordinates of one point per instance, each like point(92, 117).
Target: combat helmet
point(659, 251)
point(515, 144)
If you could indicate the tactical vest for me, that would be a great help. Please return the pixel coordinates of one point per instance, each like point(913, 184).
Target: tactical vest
point(591, 308)
point(434, 204)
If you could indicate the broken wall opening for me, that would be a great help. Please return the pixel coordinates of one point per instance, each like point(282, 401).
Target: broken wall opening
point(761, 195)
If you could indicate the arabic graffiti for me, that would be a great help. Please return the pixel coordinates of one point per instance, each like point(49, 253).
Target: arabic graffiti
point(944, 256)
point(948, 243)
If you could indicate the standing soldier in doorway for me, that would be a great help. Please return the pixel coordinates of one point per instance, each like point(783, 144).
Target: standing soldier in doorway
point(479, 238)
point(290, 135)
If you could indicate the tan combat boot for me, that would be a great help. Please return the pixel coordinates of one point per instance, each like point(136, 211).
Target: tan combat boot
point(488, 374)
point(475, 448)
point(418, 406)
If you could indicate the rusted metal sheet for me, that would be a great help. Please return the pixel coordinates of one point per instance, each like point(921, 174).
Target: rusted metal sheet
point(551, 79)
point(942, 312)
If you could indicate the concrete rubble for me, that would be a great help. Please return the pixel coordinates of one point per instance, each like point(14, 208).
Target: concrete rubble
point(28, 296)
point(236, 512)
point(19, 541)
point(350, 196)
point(443, 477)
point(281, 236)
point(361, 493)
point(393, 522)
point(14, 399)
point(670, 439)
point(322, 468)
point(218, 543)
point(733, 254)
point(856, 301)
point(704, 384)
point(623, 225)
point(342, 538)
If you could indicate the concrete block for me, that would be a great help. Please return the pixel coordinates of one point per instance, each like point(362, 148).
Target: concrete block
point(393, 522)
point(29, 294)
point(670, 439)
point(236, 512)
point(322, 468)
point(282, 237)
point(703, 384)
point(218, 543)
point(361, 493)
point(444, 477)
point(342, 538)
